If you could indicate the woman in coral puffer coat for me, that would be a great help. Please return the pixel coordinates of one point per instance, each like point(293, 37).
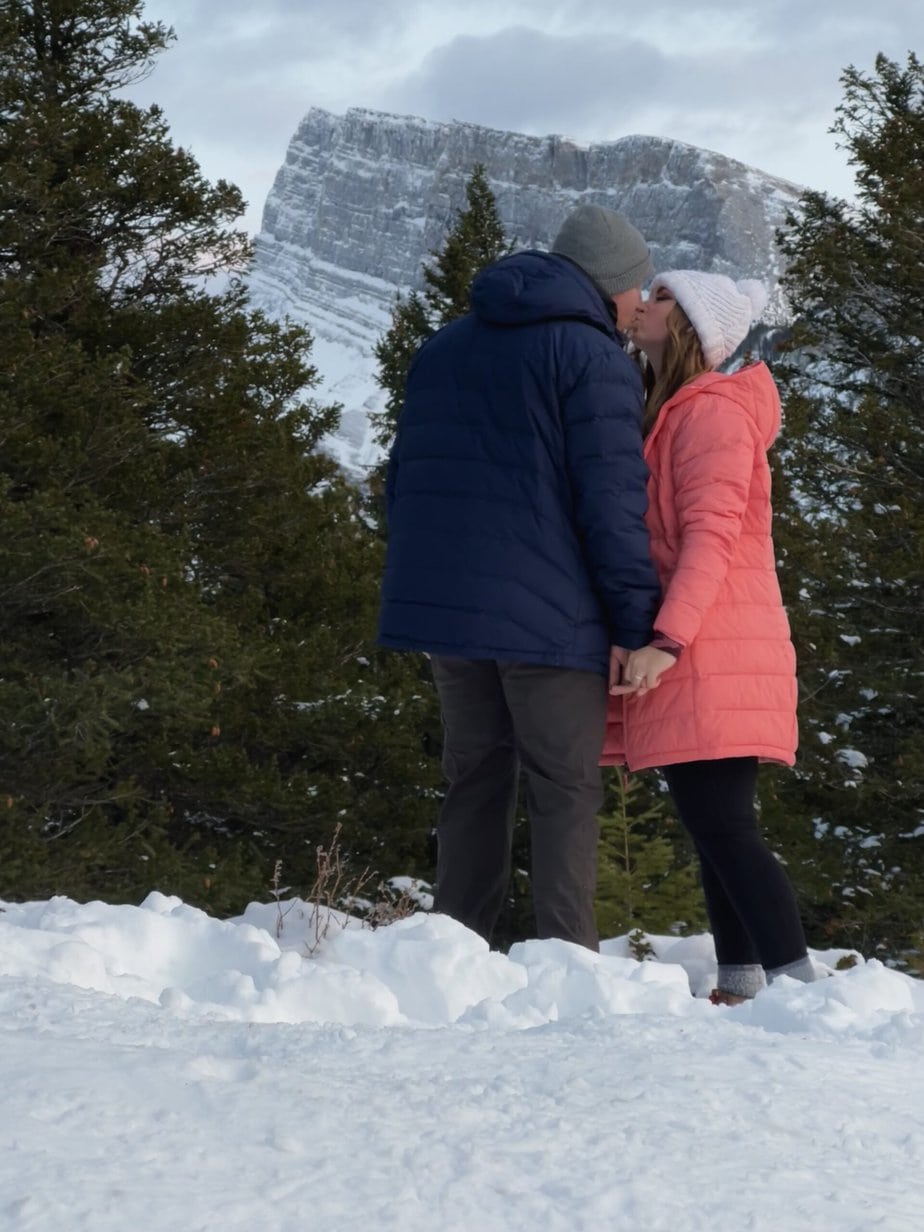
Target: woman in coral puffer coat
point(715, 691)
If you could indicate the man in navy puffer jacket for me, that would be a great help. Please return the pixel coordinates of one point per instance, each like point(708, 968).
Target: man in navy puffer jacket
point(518, 559)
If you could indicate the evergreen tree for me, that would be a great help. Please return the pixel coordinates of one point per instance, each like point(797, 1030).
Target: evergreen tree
point(850, 527)
point(188, 583)
point(648, 877)
point(476, 239)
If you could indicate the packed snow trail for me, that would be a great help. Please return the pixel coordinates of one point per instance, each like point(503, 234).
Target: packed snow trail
point(548, 1089)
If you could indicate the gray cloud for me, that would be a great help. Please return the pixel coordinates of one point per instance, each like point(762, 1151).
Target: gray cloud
point(769, 103)
point(782, 23)
point(526, 79)
point(758, 82)
point(295, 29)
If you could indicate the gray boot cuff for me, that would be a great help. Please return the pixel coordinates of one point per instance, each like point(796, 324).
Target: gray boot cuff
point(801, 969)
point(742, 980)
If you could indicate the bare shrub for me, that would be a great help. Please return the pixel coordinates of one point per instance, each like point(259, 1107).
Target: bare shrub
point(336, 895)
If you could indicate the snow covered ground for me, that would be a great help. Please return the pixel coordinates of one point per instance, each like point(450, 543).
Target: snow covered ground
point(163, 1070)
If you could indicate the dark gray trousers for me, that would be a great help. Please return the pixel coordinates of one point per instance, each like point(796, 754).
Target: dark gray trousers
point(498, 718)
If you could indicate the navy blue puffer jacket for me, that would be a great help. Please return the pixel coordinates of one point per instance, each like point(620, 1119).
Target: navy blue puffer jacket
point(516, 487)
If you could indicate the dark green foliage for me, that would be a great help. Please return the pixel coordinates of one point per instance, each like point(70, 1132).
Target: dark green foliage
point(410, 327)
point(476, 239)
point(850, 527)
point(188, 583)
point(648, 875)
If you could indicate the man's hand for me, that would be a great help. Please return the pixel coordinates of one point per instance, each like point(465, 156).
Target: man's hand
point(618, 659)
point(641, 669)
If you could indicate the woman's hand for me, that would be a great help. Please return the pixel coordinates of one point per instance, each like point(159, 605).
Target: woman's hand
point(643, 670)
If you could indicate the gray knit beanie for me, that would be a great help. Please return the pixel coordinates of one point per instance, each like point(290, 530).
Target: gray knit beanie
point(606, 246)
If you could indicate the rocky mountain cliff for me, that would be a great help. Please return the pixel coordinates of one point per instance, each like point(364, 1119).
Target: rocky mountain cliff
point(363, 198)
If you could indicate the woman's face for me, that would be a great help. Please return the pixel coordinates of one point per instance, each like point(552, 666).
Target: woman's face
point(648, 328)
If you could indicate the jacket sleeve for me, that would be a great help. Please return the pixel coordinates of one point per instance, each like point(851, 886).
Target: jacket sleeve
point(601, 415)
point(712, 455)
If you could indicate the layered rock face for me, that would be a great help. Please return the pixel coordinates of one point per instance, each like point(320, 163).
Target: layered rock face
point(363, 199)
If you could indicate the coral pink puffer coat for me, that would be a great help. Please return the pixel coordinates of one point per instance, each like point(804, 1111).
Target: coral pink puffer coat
point(732, 692)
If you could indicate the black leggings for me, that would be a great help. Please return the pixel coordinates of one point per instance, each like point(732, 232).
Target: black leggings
point(751, 905)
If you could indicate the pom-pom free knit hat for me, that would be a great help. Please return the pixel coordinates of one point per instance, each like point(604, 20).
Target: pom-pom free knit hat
point(720, 311)
point(606, 246)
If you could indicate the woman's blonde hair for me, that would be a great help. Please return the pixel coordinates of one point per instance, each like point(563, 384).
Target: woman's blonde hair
point(683, 360)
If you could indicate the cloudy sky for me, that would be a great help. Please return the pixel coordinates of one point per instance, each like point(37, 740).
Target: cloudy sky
point(758, 81)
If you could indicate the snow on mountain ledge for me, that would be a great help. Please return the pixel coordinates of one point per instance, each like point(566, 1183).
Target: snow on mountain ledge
point(362, 199)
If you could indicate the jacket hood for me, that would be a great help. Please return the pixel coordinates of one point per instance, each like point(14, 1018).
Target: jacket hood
point(529, 287)
point(751, 388)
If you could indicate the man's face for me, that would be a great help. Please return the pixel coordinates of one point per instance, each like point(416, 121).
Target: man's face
point(626, 304)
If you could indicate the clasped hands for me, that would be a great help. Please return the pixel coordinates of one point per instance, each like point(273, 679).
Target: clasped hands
point(637, 671)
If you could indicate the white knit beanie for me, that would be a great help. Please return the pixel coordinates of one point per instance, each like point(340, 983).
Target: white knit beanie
point(720, 311)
